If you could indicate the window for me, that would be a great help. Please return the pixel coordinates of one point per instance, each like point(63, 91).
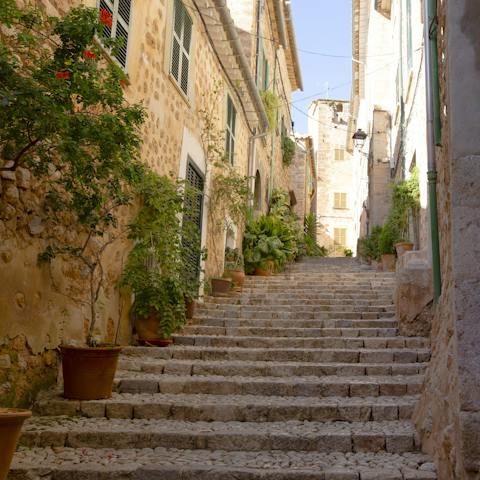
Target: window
point(263, 71)
point(339, 154)
point(120, 10)
point(409, 35)
point(230, 130)
point(181, 44)
point(340, 237)
point(340, 200)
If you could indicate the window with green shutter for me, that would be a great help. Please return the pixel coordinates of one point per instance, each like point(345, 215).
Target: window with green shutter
point(181, 45)
point(121, 13)
point(230, 130)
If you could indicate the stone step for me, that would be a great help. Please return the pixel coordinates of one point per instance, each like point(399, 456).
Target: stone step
point(382, 323)
point(305, 386)
point(228, 408)
point(291, 331)
point(177, 464)
point(240, 310)
point(281, 301)
point(299, 342)
point(318, 355)
point(148, 364)
point(325, 437)
point(285, 315)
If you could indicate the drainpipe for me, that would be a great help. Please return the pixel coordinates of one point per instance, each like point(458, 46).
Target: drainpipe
point(281, 23)
point(433, 134)
point(274, 133)
point(260, 6)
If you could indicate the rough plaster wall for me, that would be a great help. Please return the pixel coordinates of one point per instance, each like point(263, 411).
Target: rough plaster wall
point(448, 415)
point(297, 173)
point(31, 308)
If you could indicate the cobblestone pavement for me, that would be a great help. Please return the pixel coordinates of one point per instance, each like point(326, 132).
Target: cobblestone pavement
point(302, 376)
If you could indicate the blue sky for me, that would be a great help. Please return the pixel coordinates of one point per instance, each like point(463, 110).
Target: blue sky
point(322, 26)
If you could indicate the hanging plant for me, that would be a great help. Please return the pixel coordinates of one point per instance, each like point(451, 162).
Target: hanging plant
point(288, 150)
point(271, 103)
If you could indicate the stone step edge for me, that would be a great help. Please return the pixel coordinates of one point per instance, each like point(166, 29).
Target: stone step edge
point(151, 466)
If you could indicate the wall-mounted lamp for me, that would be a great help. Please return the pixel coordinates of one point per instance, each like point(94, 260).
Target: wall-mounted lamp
point(359, 138)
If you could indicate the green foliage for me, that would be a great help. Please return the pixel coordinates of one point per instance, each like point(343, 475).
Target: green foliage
point(271, 103)
point(233, 259)
point(64, 117)
point(311, 247)
point(368, 246)
point(158, 269)
point(274, 238)
point(347, 252)
point(288, 150)
point(388, 237)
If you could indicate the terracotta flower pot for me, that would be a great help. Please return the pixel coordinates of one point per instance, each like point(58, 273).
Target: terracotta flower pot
point(11, 421)
point(88, 372)
point(190, 309)
point(221, 286)
point(147, 329)
point(237, 276)
point(402, 247)
point(388, 262)
point(260, 272)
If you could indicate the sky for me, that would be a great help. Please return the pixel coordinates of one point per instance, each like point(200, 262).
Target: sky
point(323, 27)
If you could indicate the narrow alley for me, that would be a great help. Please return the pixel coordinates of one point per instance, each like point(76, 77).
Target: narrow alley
point(303, 375)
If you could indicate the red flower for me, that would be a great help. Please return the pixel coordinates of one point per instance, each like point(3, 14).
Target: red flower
point(89, 54)
point(63, 75)
point(106, 18)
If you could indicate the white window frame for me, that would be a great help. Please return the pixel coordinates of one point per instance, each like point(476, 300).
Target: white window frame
point(230, 131)
point(113, 8)
point(182, 50)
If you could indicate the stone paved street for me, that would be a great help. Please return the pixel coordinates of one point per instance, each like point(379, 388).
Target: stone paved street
point(301, 376)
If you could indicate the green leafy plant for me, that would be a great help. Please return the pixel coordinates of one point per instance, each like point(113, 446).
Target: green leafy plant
point(312, 249)
point(368, 246)
point(288, 150)
point(158, 269)
point(233, 259)
point(64, 117)
point(347, 252)
point(389, 235)
point(271, 103)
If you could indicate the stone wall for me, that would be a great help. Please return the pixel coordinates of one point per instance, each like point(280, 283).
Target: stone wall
point(42, 315)
point(448, 415)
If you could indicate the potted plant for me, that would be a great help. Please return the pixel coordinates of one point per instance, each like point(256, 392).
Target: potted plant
point(159, 269)
point(11, 421)
point(82, 140)
point(402, 247)
point(386, 242)
point(234, 268)
point(348, 252)
point(220, 286)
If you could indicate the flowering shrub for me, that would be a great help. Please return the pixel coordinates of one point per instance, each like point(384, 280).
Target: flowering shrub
point(64, 117)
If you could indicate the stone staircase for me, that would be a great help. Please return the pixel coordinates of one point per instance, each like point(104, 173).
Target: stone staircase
point(302, 376)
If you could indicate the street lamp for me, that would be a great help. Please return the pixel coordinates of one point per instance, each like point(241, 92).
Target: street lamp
point(359, 138)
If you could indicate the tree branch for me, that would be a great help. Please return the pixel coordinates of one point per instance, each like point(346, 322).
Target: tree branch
point(19, 156)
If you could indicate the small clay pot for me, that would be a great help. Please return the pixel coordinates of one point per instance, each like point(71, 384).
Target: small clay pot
point(237, 276)
point(190, 309)
point(147, 329)
point(88, 372)
point(260, 272)
point(11, 421)
point(402, 247)
point(221, 286)
point(388, 262)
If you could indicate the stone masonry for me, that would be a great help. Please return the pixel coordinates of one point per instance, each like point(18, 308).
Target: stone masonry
point(301, 376)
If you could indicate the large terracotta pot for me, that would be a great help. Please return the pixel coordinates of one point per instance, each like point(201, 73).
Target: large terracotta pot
point(11, 421)
point(388, 262)
point(88, 372)
point(403, 247)
point(147, 329)
point(237, 276)
point(221, 286)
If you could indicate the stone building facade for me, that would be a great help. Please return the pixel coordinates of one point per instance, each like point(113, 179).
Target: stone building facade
point(221, 54)
point(302, 177)
point(335, 175)
point(448, 414)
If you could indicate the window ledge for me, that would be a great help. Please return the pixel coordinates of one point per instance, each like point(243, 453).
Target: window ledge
point(185, 97)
